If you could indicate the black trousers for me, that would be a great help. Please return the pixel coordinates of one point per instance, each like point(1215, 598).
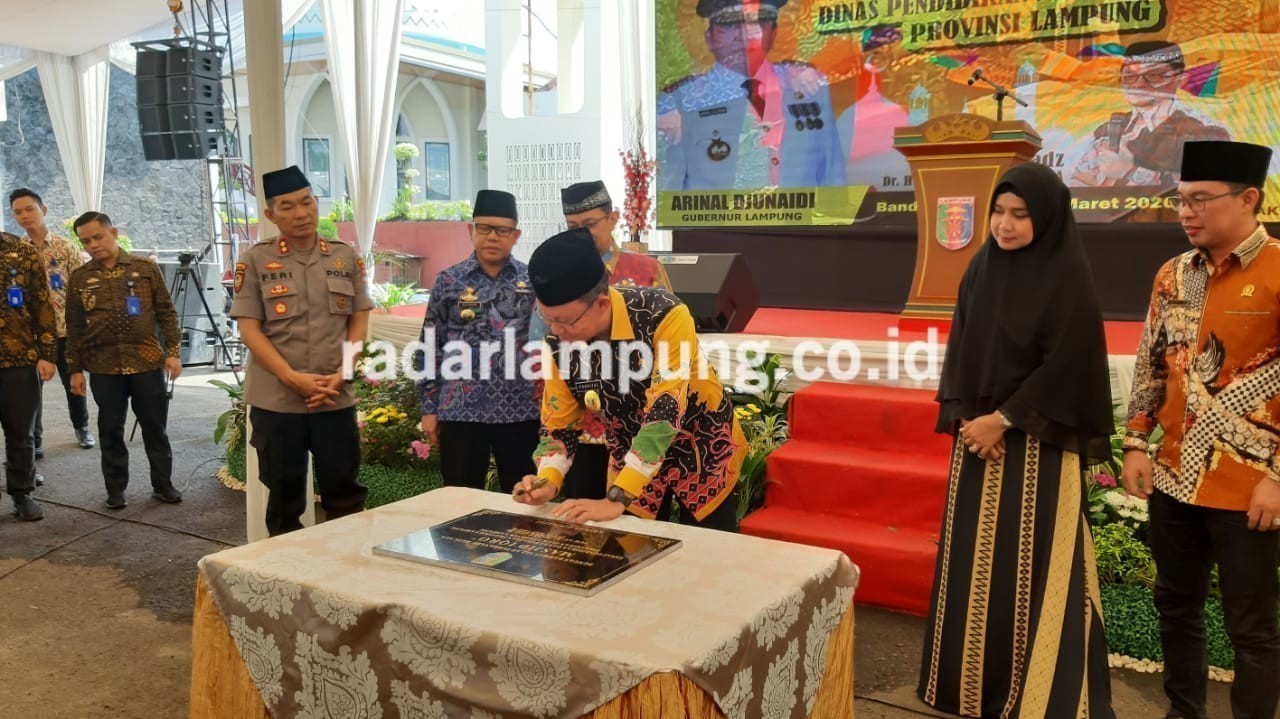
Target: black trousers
point(724, 517)
point(77, 406)
point(283, 441)
point(1186, 541)
point(588, 476)
point(465, 448)
point(19, 399)
point(148, 396)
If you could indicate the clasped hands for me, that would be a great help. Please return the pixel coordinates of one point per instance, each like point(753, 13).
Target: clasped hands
point(529, 492)
point(984, 436)
point(320, 390)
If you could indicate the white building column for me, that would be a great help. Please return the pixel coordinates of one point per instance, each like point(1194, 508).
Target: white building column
point(264, 56)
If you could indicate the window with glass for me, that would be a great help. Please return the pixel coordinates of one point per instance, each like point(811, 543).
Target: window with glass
point(437, 185)
point(315, 164)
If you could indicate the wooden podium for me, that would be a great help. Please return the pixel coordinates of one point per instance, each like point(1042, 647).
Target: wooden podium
point(955, 161)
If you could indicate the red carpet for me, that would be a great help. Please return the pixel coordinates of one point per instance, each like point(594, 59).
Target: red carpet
point(866, 474)
point(1122, 337)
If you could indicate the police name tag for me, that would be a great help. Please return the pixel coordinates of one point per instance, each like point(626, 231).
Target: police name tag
point(15, 297)
point(133, 305)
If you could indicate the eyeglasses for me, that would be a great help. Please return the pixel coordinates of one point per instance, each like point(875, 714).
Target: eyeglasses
point(576, 320)
point(1150, 79)
point(587, 224)
point(1197, 203)
point(484, 230)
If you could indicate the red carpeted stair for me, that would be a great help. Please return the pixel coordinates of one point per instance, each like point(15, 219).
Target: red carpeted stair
point(866, 474)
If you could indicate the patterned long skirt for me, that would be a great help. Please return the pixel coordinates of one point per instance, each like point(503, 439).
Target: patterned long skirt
point(1015, 624)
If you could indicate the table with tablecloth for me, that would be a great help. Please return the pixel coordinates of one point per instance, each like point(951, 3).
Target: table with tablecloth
point(313, 624)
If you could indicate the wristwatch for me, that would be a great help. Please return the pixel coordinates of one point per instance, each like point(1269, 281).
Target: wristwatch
point(1004, 420)
point(619, 495)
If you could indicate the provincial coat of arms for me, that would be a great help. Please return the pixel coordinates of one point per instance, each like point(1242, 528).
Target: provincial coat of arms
point(955, 222)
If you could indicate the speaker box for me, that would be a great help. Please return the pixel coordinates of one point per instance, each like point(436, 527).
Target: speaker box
point(201, 118)
point(194, 62)
point(718, 288)
point(183, 89)
point(179, 102)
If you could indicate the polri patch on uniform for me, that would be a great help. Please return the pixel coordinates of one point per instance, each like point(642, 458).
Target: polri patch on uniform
point(338, 264)
point(342, 302)
point(274, 266)
point(240, 268)
point(281, 308)
point(278, 290)
point(713, 111)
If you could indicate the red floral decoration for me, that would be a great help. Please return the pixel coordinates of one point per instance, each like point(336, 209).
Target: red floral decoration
point(637, 207)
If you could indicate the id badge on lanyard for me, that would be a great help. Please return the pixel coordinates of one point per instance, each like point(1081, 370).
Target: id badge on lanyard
point(15, 296)
point(132, 303)
point(55, 277)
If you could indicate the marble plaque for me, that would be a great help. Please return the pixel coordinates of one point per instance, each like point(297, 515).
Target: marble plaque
point(565, 556)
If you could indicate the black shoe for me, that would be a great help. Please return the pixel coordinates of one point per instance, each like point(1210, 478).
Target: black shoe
point(85, 438)
point(116, 500)
point(39, 479)
point(27, 509)
point(39, 452)
point(168, 495)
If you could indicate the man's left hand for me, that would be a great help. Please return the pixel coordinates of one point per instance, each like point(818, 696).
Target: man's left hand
point(1264, 508)
point(332, 382)
point(173, 368)
point(588, 510)
point(45, 369)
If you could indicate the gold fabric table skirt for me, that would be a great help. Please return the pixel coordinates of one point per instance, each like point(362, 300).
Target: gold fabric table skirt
point(221, 687)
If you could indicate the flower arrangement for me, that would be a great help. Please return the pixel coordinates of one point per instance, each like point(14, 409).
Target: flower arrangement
point(390, 437)
point(761, 410)
point(637, 207)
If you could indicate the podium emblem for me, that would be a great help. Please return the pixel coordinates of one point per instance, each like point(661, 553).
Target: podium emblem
point(955, 222)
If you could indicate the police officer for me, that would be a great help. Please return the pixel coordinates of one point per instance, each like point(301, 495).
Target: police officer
point(298, 299)
point(587, 205)
point(483, 300)
point(28, 349)
point(115, 304)
point(747, 122)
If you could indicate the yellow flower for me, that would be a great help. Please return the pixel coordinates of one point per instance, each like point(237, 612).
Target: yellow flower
point(381, 420)
point(753, 409)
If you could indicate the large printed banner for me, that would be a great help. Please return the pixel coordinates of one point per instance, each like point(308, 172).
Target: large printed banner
point(782, 112)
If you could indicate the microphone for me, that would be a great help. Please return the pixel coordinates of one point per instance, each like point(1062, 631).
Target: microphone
point(1115, 129)
point(977, 74)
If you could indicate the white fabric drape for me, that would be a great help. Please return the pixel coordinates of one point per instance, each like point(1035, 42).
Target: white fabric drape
point(636, 26)
point(76, 90)
point(362, 41)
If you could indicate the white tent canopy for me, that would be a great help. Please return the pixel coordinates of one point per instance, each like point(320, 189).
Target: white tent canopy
point(63, 40)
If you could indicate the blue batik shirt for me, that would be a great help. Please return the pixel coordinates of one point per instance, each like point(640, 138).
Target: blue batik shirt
point(469, 306)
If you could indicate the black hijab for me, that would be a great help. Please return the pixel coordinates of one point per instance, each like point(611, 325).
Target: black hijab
point(1027, 336)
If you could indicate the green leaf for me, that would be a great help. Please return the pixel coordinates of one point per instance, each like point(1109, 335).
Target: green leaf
point(652, 441)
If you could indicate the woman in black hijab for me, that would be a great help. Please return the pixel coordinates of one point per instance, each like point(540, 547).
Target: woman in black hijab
point(1015, 626)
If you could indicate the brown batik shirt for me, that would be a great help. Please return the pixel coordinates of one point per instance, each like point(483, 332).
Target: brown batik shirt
point(1208, 373)
point(102, 337)
point(27, 331)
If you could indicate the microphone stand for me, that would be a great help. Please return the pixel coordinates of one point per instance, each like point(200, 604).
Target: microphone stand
point(1001, 93)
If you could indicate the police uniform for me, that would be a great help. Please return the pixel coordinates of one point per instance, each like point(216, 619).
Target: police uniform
point(27, 335)
point(587, 476)
point(61, 257)
point(480, 416)
point(773, 129)
point(670, 437)
point(305, 301)
point(113, 314)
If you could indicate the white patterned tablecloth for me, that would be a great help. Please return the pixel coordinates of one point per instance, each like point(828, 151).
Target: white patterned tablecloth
point(327, 629)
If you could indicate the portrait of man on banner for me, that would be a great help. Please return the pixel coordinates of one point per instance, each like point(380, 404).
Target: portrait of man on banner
point(1142, 147)
point(748, 122)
